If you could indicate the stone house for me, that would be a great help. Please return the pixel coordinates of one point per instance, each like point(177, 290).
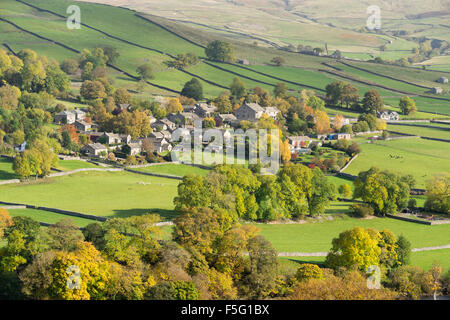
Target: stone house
point(82, 125)
point(249, 112)
point(94, 149)
point(437, 90)
point(442, 80)
point(163, 124)
point(204, 110)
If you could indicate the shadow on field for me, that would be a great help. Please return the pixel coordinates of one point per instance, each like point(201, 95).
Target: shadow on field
point(299, 262)
point(5, 175)
point(164, 213)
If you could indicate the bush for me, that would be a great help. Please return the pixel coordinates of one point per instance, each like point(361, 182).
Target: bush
point(361, 211)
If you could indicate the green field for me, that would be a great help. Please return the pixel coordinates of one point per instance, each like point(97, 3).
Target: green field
point(317, 237)
point(423, 259)
point(419, 157)
point(70, 165)
point(108, 194)
point(179, 170)
point(430, 131)
point(48, 217)
point(6, 170)
point(304, 69)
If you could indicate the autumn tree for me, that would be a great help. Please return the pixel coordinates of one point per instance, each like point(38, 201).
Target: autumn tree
point(355, 247)
point(122, 96)
point(407, 105)
point(438, 193)
point(278, 61)
point(174, 106)
point(92, 90)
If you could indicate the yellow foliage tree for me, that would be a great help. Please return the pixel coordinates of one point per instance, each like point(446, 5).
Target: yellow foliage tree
point(174, 106)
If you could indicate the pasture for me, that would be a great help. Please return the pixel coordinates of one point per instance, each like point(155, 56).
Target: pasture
point(422, 130)
point(107, 194)
point(48, 217)
point(418, 157)
point(70, 165)
point(179, 170)
point(317, 236)
point(6, 170)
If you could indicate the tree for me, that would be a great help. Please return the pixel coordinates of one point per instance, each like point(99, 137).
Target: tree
point(403, 250)
point(316, 103)
point(192, 192)
point(92, 90)
point(209, 123)
point(145, 71)
point(280, 90)
point(372, 102)
point(193, 89)
point(6, 221)
point(345, 190)
point(308, 271)
point(355, 247)
point(259, 279)
point(437, 193)
point(322, 122)
point(95, 234)
point(285, 151)
point(122, 96)
point(352, 285)
point(220, 51)
point(349, 95)
point(238, 89)
point(64, 235)
point(334, 92)
point(385, 191)
point(111, 53)
point(223, 104)
point(174, 106)
point(9, 97)
point(407, 105)
point(278, 61)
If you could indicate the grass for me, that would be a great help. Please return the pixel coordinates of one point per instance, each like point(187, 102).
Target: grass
point(108, 194)
point(421, 158)
point(429, 131)
point(48, 217)
point(70, 165)
point(317, 237)
point(6, 170)
point(180, 170)
point(423, 259)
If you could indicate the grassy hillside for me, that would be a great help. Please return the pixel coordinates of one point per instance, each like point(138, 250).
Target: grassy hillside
point(24, 28)
point(421, 158)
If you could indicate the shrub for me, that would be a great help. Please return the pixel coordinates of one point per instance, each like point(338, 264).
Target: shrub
point(361, 211)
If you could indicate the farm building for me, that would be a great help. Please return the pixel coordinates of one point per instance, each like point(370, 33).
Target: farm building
point(69, 117)
point(436, 90)
point(244, 62)
point(442, 80)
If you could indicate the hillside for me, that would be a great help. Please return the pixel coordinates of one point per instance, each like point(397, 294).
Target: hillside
point(22, 27)
point(282, 22)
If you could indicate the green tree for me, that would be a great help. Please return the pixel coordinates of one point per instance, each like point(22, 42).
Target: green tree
point(407, 105)
point(193, 89)
point(280, 90)
point(238, 89)
point(260, 275)
point(372, 102)
point(345, 190)
point(220, 51)
point(278, 61)
point(145, 71)
point(92, 90)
